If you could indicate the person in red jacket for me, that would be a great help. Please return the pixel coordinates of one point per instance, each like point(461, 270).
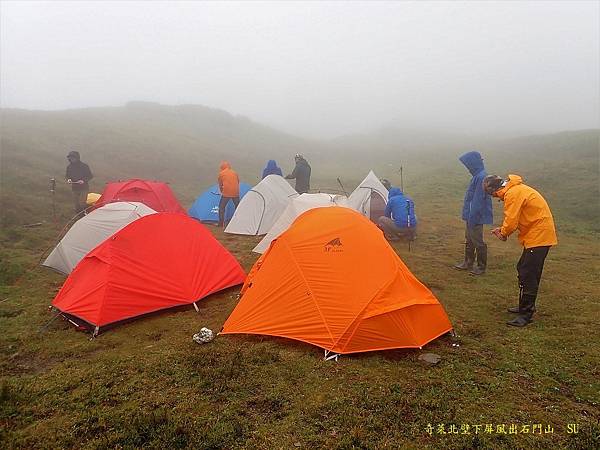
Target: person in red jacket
point(229, 185)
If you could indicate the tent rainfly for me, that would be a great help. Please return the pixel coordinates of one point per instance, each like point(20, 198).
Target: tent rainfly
point(206, 206)
point(91, 230)
point(155, 194)
point(295, 207)
point(261, 206)
point(159, 261)
point(332, 280)
point(369, 198)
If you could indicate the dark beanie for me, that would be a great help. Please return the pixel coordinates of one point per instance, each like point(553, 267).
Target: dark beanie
point(492, 183)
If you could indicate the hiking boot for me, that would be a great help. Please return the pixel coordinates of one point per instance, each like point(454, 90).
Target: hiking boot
point(477, 270)
point(516, 310)
point(519, 321)
point(465, 265)
point(481, 265)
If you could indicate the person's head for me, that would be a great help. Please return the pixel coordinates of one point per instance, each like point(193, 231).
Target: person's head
point(492, 184)
point(298, 157)
point(73, 156)
point(225, 165)
point(472, 161)
point(386, 183)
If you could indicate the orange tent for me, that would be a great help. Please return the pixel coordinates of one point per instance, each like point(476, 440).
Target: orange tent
point(332, 280)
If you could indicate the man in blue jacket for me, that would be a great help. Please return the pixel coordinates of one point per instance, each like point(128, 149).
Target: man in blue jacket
point(477, 211)
point(399, 219)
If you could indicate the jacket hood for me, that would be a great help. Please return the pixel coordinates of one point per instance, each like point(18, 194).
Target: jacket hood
point(74, 155)
point(225, 165)
point(395, 192)
point(513, 180)
point(472, 161)
point(271, 164)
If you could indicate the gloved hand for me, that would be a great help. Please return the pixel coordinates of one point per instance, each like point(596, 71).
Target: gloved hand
point(496, 232)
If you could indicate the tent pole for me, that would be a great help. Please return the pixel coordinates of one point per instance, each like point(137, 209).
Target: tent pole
point(53, 191)
point(342, 186)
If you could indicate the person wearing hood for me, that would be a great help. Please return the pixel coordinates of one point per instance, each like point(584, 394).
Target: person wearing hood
point(399, 219)
point(271, 169)
point(78, 175)
point(477, 211)
point(527, 211)
point(301, 173)
point(229, 186)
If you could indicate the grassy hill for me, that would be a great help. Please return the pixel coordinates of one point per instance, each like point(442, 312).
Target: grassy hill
point(146, 384)
point(179, 144)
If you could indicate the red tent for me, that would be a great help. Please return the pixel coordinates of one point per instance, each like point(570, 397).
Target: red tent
point(155, 194)
point(159, 261)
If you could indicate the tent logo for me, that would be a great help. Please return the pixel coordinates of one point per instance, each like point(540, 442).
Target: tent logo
point(334, 246)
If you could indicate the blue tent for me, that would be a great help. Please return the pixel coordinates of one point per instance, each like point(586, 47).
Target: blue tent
point(206, 207)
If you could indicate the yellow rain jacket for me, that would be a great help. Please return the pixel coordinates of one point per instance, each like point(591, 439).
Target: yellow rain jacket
point(526, 210)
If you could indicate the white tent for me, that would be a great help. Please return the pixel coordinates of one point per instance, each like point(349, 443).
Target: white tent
point(295, 207)
point(261, 206)
point(91, 230)
point(370, 197)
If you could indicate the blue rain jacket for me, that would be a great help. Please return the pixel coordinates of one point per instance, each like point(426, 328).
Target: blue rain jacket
point(477, 208)
point(400, 207)
point(271, 169)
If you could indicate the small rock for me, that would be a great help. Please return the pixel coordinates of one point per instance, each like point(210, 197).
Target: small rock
point(430, 358)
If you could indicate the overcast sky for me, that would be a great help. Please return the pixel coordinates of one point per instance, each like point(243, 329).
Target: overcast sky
point(317, 69)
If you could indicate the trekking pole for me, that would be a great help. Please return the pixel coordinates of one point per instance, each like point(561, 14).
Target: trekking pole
point(342, 186)
point(401, 180)
point(52, 191)
point(408, 220)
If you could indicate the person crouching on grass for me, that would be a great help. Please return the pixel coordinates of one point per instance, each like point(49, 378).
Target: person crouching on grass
point(399, 220)
point(526, 210)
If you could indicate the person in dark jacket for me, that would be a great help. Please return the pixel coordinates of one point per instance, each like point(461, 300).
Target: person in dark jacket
point(477, 211)
point(78, 175)
point(271, 169)
point(399, 219)
point(301, 173)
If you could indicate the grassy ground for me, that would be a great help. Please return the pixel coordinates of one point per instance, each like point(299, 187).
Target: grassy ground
point(147, 383)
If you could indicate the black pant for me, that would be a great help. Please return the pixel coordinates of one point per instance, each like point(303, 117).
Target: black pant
point(529, 270)
point(223, 204)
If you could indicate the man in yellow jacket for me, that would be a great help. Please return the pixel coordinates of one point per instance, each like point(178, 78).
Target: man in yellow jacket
point(229, 185)
point(525, 210)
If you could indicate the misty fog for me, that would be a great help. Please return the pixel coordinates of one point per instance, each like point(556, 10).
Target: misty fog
point(315, 69)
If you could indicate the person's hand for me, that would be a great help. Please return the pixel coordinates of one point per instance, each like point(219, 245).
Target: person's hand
point(496, 232)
